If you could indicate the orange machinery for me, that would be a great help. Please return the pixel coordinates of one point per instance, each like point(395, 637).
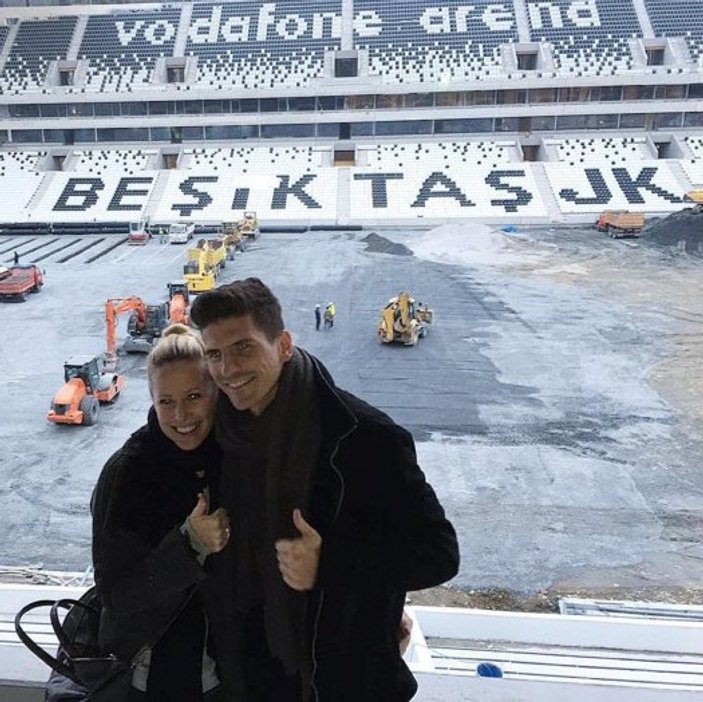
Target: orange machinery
point(78, 400)
point(177, 303)
point(145, 324)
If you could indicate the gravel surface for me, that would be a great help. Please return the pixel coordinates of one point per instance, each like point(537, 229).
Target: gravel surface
point(555, 402)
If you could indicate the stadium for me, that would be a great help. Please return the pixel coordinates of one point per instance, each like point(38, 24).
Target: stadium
point(341, 113)
point(555, 402)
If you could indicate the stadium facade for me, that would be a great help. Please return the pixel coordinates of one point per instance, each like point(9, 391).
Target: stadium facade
point(349, 112)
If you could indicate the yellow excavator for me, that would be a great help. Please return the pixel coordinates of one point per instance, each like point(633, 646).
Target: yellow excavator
point(404, 321)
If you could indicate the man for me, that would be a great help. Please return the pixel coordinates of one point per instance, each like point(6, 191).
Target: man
point(318, 317)
point(329, 315)
point(16, 258)
point(332, 520)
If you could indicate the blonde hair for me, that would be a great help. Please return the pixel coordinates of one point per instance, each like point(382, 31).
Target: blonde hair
point(177, 343)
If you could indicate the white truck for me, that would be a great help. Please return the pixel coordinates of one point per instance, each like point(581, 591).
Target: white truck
point(180, 233)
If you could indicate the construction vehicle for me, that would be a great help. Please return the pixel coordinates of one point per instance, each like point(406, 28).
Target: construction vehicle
point(78, 400)
point(233, 239)
point(180, 233)
point(18, 281)
point(144, 326)
point(139, 233)
point(249, 226)
point(203, 265)
point(177, 303)
point(695, 197)
point(404, 321)
point(620, 223)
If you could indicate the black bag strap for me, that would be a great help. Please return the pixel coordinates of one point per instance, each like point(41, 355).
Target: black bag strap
point(53, 662)
point(64, 642)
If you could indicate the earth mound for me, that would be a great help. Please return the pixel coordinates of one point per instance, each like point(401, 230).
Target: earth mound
point(379, 244)
point(681, 229)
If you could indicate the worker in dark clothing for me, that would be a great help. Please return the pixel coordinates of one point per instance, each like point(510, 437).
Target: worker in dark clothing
point(332, 518)
point(318, 317)
point(16, 258)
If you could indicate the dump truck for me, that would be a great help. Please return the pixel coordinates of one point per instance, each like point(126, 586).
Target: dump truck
point(20, 280)
point(404, 321)
point(620, 223)
point(85, 388)
point(203, 265)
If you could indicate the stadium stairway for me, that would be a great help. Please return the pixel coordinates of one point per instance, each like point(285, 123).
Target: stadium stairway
point(75, 45)
point(9, 41)
point(548, 198)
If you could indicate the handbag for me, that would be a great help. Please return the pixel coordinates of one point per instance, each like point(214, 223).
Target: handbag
point(81, 670)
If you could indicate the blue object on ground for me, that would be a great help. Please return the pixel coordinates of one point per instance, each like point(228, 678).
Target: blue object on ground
point(508, 228)
point(488, 670)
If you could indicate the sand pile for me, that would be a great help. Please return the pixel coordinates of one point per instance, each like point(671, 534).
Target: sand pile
point(463, 244)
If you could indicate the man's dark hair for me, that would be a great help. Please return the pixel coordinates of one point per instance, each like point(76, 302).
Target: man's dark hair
point(238, 299)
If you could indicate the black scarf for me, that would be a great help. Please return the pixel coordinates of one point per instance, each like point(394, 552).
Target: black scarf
point(177, 476)
point(269, 465)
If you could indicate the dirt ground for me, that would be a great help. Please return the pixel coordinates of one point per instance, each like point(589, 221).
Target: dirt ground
point(657, 281)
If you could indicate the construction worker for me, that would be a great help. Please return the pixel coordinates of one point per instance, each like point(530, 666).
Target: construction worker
point(16, 258)
point(162, 235)
point(318, 317)
point(329, 315)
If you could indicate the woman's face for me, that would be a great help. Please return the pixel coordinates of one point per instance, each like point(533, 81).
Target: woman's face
point(184, 399)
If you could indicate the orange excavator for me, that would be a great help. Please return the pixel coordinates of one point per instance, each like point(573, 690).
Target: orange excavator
point(145, 324)
point(177, 303)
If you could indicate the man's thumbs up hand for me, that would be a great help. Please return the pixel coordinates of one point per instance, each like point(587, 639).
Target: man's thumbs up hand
point(299, 558)
point(212, 530)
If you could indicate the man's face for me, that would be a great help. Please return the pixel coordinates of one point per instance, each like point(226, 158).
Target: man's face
point(245, 364)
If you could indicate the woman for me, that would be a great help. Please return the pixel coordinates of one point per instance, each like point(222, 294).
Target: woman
point(153, 530)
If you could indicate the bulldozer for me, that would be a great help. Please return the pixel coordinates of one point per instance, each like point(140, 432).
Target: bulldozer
point(249, 225)
point(404, 321)
point(232, 238)
point(85, 388)
point(177, 303)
